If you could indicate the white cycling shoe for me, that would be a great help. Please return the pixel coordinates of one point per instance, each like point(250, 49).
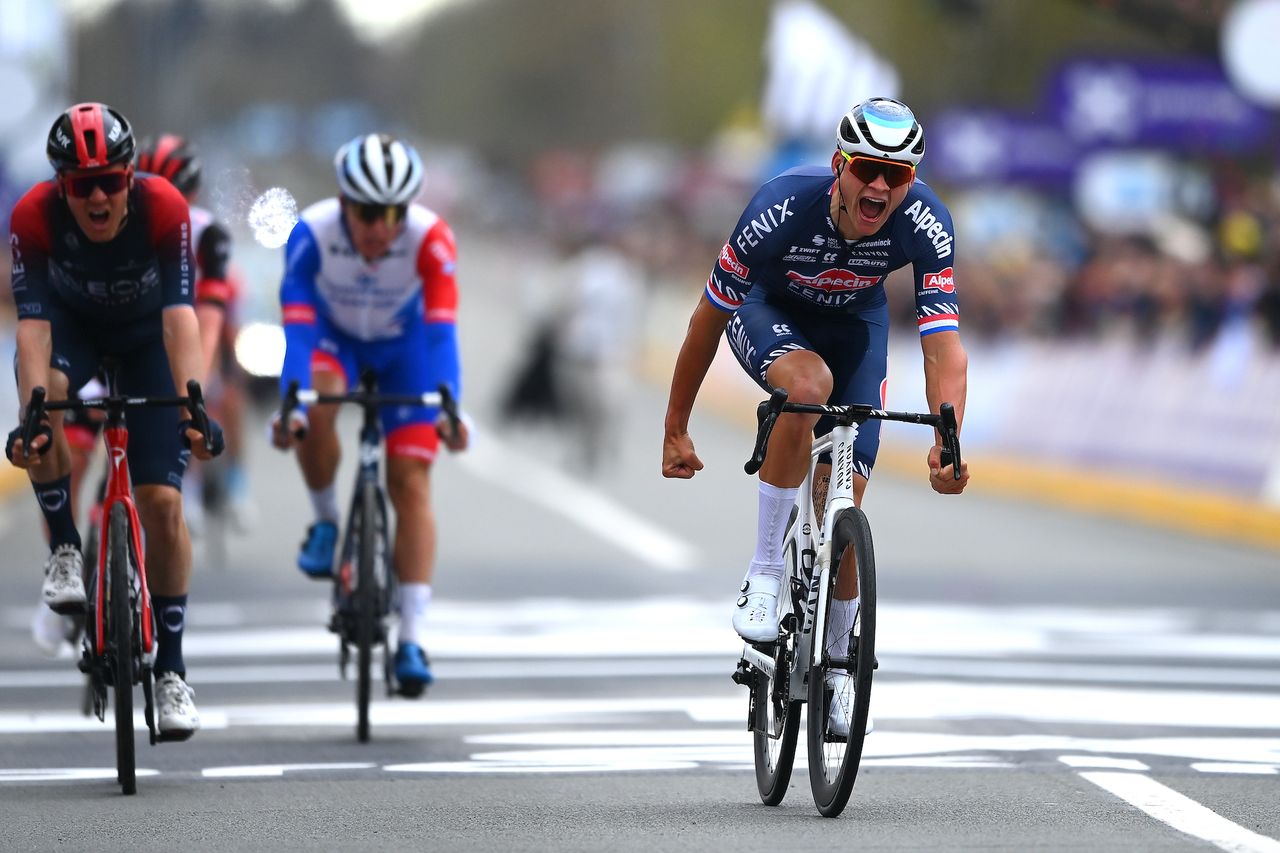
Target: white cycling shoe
point(840, 713)
point(52, 632)
point(176, 714)
point(63, 588)
point(756, 619)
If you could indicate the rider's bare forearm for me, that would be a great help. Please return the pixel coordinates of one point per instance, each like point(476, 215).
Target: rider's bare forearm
point(182, 345)
point(696, 354)
point(946, 371)
point(35, 348)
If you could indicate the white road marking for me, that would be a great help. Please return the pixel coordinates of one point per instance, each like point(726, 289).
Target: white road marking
point(1182, 813)
point(65, 774)
point(1102, 761)
point(627, 749)
point(1235, 768)
point(251, 771)
point(579, 502)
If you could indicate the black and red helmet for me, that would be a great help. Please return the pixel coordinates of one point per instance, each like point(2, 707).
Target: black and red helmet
point(171, 157)
point(89, 136)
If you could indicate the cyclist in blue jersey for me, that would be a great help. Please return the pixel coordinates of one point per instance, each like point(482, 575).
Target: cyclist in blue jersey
point(800, 287)
point(370, 284)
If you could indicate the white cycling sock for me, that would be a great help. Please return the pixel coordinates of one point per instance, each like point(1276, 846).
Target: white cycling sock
point(843, 614)
point(775, 510)
point(414, 598)
point(325, 503)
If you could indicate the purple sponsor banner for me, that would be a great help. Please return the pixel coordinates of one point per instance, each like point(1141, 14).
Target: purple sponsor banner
point(982, 145)
point(1183, 104)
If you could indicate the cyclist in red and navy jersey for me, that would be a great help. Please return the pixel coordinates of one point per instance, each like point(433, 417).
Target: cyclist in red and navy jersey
point(370, 283)
point(217, 301)
point(102, 267)
point(800, 287)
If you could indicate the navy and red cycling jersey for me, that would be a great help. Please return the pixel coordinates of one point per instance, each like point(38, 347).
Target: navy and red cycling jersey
point(786, 244)
point(124, 283)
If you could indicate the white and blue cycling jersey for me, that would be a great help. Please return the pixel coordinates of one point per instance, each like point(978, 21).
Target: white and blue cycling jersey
point(786, 244)
point(396, 314)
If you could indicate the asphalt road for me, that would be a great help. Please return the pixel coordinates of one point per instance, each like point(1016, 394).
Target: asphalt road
point(1048, 681)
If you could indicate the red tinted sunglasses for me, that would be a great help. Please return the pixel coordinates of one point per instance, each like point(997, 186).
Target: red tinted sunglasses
point(392, 214)
point(82, 186)
point(866, 169)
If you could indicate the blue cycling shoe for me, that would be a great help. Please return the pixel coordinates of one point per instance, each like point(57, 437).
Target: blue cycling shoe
point(413, 672)
point(316, 556)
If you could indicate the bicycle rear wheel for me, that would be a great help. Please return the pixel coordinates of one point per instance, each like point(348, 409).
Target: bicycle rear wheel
point(365, 604)
point(834, 759)
point(775, 722)
point(119, 651)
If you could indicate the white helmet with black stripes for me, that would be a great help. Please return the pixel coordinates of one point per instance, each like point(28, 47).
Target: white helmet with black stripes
point(882, 127)
point(378, 169)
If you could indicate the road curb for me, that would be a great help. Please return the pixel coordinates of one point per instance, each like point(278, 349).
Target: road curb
point(1163, 504)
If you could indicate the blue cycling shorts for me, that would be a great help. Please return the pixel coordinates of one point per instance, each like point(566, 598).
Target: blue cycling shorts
point(855, 348)
point(400, 365)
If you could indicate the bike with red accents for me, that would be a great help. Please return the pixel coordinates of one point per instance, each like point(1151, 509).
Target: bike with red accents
point(119, 639)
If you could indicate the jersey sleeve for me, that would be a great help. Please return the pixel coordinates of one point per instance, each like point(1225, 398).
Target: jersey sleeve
point(298, 306)
point(932, 254)
point(29, 243)
point(170, 225)
point(437, 266)
point(213, 255)
point(753, 243)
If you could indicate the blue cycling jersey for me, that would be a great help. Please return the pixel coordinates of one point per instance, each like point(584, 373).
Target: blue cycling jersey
point(786, 244)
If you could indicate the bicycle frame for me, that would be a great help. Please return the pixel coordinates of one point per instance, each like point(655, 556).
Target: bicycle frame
point(370, 458)
point(813, 556)
point(120, 491)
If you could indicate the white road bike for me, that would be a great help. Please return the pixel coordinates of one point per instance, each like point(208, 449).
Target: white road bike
point(806, 663)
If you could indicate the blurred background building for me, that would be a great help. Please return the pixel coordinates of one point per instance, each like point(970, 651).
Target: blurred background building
point(1111, 164)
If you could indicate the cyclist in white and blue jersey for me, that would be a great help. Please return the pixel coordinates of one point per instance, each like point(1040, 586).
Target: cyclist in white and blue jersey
point(800, 287)
point(370, 283)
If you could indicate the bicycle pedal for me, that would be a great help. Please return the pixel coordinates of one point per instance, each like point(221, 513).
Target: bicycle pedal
point(411, 690)
point(177, 736)
point(71, 608)
point(744, 674)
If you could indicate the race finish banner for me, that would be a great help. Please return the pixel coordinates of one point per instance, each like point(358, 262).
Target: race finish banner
point(998, 146)
point(1183, 104)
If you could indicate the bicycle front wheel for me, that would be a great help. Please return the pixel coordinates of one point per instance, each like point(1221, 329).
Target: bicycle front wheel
point(775, 720)
point(119, 637)
point(366, 604)
point(840, 684)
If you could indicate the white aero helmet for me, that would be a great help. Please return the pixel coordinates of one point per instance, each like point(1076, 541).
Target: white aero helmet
point(882, 127)
point(378, 169)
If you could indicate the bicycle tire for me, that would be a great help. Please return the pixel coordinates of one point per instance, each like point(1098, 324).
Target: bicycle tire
point(90, 572)
point(834, 762)
point(365, 605)
point(119, 649)
point(771, 703)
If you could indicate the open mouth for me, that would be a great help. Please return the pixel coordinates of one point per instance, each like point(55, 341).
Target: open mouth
point(99, 217)
point(871, 208)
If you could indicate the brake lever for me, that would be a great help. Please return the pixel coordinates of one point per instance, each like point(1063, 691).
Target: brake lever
point(199, 414)
point(31, 423)
point(449, 405)
point(287, 405)
point(950, 439)
point(766, 415)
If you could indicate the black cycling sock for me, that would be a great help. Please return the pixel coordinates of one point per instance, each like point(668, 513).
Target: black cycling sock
point(171, 618)
point(55, 502)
